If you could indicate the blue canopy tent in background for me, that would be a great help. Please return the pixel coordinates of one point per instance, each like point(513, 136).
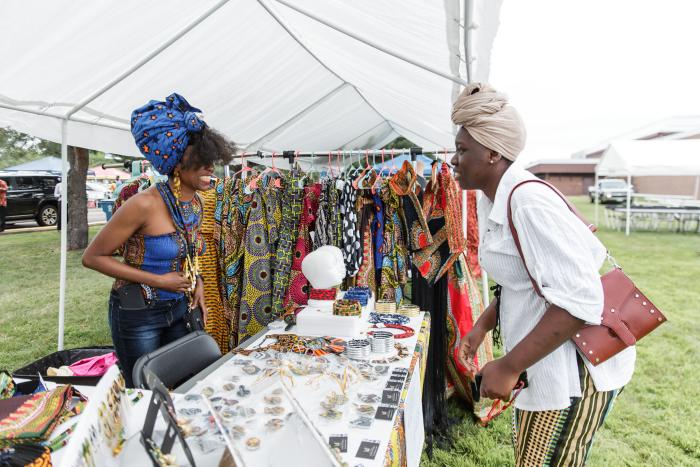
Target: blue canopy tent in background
point(45, 164)
point(388, 165)
point(48, 164)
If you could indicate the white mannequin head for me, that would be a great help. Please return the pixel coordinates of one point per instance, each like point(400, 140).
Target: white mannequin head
point(324, 267)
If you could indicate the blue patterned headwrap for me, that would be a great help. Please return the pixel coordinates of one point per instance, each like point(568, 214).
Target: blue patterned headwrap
point(162, 130)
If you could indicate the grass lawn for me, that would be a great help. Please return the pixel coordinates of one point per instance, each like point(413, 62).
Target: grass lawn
point(656, 421)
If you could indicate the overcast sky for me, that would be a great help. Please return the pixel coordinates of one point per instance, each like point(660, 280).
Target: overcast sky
point(581, 72)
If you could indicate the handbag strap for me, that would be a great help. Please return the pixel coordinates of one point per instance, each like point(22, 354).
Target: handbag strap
point(515, 232)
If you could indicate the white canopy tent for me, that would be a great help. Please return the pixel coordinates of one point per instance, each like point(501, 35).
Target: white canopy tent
point(270, 74)
point(648, 158)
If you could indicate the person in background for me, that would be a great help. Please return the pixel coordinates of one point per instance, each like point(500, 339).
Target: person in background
point(3, 203)
point(58, 193)
point(568, 399)
point(159, 231)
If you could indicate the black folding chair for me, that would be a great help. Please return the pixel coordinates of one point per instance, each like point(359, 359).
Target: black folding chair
point(178, 361)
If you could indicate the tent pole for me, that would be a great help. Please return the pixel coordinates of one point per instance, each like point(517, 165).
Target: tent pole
point(629, 202)
point(467, 39)
point(596, 196)
point(372, 44)
point(64, 233)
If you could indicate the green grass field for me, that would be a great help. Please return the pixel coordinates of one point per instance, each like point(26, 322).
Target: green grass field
point(656, 421)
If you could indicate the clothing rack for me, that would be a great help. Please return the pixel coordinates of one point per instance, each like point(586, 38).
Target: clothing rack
point(291, 156)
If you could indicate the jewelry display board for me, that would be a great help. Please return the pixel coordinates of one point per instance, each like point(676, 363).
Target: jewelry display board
point(102, 428)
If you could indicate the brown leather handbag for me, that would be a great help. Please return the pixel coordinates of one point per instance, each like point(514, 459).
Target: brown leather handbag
point(628, 315)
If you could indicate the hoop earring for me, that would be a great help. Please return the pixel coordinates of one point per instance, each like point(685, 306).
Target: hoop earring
point(176, 185)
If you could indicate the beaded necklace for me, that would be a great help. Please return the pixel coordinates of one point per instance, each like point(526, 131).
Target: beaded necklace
point(185, 217)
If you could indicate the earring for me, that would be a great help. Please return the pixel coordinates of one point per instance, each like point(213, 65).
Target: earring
point(491, 162)
point(176, 185)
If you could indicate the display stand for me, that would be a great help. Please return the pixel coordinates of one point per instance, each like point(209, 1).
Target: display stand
point(163, 403)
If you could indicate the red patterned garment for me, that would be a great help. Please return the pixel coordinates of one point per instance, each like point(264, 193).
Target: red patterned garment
point(447, 256)
point(298, 291)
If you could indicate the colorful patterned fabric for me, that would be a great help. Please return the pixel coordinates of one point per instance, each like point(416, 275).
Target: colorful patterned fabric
point(473, 234)
point(366, 274)
point(396, 452)
point(351, 241)
point(233, 212)
point(394, 272)
point(217, 325)
point(256, 290)
point(161, 254)
point(7, 385)
point(3, 193)
point(436, 262)
point(291, 213)
point(404, 184)
point(162, 129)
point(345, 307)
point(378, 230)
point(562, 437)
point(34, 417)
point(298, 291)
point(323, 294)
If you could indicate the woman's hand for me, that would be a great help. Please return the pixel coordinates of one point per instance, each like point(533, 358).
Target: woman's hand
point(498, 380)
point(198, 299)
point(468, 347)
point(174, 282)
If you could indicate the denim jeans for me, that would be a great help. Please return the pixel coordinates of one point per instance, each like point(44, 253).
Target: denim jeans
point(137, 332)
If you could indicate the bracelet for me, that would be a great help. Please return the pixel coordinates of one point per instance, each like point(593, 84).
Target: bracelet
point(323, 294)
point(387, 318)
point(407, 332)
point(385, 306)
point(345, 307)
point(411, 311)
point(361, 294)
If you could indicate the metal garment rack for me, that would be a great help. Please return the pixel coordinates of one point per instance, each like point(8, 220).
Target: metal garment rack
point(291, 156)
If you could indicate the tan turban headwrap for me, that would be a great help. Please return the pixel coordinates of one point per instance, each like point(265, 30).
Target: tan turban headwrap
point(489, 119)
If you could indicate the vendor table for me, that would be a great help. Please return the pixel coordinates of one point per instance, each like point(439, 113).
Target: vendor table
point(395, 440)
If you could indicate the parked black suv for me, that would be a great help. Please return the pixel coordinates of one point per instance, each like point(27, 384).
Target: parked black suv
point(30, 196)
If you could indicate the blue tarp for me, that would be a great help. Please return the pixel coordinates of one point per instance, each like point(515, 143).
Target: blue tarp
point(399, 160)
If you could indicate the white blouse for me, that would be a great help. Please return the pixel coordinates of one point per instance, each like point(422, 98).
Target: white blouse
point(564, 258)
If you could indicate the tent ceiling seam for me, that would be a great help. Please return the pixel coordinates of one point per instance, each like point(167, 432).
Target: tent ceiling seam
point(298, 40)
point(46, 105)
point(384, 121)
point(293, 119)
point(147, 59)
point(63, 117)
point(394, 125)
point(397, 55)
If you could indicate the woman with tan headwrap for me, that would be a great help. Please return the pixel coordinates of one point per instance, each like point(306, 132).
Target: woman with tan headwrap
point(567, 398)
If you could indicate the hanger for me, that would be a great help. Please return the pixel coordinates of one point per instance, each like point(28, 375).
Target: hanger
point(244, 167)
point(356, 182)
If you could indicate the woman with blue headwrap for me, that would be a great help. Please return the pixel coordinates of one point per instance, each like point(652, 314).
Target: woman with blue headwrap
point(159, 231)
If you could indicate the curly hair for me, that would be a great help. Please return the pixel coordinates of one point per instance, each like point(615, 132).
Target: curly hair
point(209, 147)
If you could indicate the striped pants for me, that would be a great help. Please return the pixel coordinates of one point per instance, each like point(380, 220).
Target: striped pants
point(562, 437)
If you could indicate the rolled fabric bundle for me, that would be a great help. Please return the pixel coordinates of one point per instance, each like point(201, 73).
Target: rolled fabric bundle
point(345, 307)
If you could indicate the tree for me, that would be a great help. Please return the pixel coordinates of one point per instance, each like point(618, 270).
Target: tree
point(79, 159)
point(16, 148)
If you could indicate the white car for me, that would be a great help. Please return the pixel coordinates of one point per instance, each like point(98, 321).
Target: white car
point(96, 191)
point(610, 190)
